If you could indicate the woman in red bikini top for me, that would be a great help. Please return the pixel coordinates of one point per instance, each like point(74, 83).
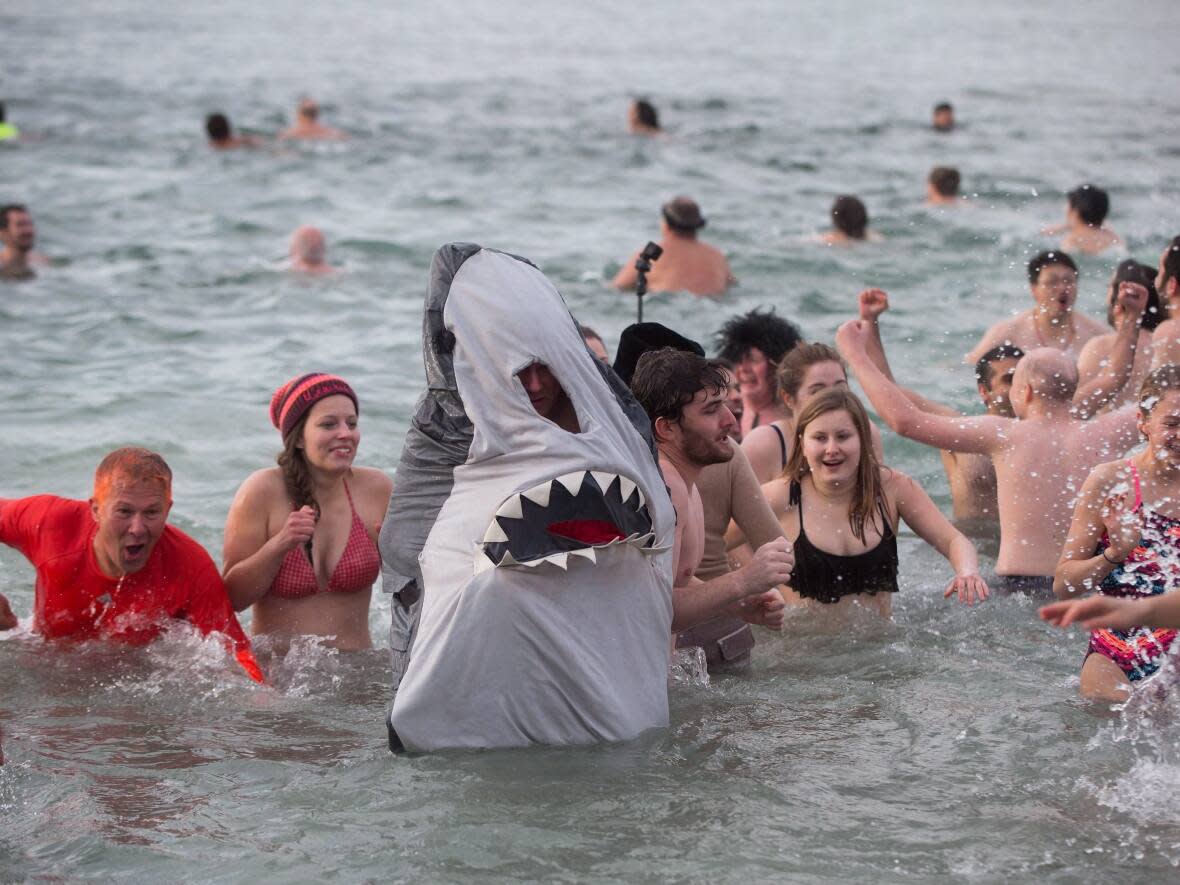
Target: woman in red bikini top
point(301, 538)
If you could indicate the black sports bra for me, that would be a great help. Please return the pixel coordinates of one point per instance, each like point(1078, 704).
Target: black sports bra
point(826, 577)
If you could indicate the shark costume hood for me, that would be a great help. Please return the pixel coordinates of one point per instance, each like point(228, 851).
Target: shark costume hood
point(542, 558)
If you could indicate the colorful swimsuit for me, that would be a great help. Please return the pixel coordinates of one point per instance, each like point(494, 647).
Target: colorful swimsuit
point(1152, 568)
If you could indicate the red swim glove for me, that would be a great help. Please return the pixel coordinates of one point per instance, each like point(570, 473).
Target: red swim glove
point(250, 665)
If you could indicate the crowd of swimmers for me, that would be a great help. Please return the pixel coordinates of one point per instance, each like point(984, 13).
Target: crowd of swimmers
point(773, 468)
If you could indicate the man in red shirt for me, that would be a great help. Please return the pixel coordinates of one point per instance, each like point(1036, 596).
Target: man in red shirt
point(112, 568)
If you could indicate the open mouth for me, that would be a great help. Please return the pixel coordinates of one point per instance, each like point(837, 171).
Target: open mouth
point(571, 515)
point(134, 551)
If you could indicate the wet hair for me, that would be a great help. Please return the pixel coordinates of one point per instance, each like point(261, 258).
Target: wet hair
point(1132, 271)
point(985, 371)
point(943, 106)
point(293, 465)
point(1046, 259)
point(1171, 261)
point(945, 180)
point(666, 380)
point(1090, 202)
point(850, 216)
point(763, 329)
point(217, 125)
point(131, 465)
point(1057, 380)
point(868, 498)
point(794, 365)
point(646, 113)
point(8, 209)
point(308, 109)
point(1163, 380)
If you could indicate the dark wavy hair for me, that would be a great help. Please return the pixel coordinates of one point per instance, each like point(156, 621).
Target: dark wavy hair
point(293, 464)
point(763, 329)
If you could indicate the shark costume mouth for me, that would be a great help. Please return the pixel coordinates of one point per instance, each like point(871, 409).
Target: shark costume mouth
point(572, 515)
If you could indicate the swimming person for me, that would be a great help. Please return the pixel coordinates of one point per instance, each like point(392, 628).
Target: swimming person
point(685, 398)
point(805, 370)
point(301, 538)
point(943, 117)
point(1041, 457)
point(1085, 211)
point(687, 264)
point(112, 568)
point(841, 506)
point(307, 126)
point(18, 235)
point(755, 343)
point(642, 118)
point(942, 187)
point(222, 137)
point(308, 252)
point(1051, 321)
point(850, 222)
point(1096, 353)
point(531, 536)
point(1125, 542)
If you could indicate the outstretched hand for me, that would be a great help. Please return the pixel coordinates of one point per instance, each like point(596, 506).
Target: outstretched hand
point(768, 609)
point(969, 588)
point(872, 303)
point(852, 338)
point(8, 620)
point(1093, 613)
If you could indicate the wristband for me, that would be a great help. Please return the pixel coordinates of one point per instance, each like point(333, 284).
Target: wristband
point(1107, 558)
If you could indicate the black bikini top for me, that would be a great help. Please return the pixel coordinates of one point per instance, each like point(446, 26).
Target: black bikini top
point(826, 577)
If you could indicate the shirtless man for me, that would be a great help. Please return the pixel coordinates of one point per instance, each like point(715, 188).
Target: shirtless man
point(642, 118)
point(307, 126)
point(112, 568)
point(942, 187)
point(1051, 321)
point(18, 234)
point(1041, 460)
point(943, 117)
point(1096, 353)
point(971, 476)
point(687, 264)
point(1085, 211)
point(685, 398)
point(308, 251)
point(1165, 341)
point(221, 134)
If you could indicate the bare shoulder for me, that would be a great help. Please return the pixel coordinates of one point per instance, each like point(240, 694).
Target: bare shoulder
point(262, 487)
point(1089, 326)
point(370, 480)
point(1099, 344)
point(677, 487)
point(760, 439)
point(778, 495)
point(1105, 477)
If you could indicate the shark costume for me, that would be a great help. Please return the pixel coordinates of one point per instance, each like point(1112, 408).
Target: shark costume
point(531, 566)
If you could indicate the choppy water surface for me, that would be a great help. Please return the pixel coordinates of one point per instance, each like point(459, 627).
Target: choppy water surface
point(946, 744)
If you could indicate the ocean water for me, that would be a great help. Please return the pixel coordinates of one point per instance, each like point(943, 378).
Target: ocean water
point(947, 744)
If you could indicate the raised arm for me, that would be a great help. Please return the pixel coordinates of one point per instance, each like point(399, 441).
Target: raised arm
point(982, 434)
point(1116, 370)
point(923, 516)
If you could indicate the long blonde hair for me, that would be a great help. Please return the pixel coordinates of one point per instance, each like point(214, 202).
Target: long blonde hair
point(868, 497)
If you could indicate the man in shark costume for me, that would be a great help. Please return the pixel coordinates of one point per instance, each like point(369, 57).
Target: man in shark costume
point(540, 559)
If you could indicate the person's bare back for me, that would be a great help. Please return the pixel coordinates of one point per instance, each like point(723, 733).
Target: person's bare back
point(687, 264)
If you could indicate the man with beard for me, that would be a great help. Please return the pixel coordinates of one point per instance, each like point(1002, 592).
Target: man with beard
point(685, 396)
point(17, 234)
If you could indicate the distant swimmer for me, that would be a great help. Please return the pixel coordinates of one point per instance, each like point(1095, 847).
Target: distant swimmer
point(687, 264)
point(308, 253)
point(595, 343)
point(1051, 321)
point(222, 137)
point(1096, 353)
point(1041, 458)
point(301, 538)
point(1085, 212)
point(1125, 543)
point(642, 118)
point(307, 126)
point(18, 235)
point(8, 132)
point(685, 398)
point(841, 508)
point(942, 187)
point(943, 117)
point(112, 568)
point(850, 222)
point(755, 343)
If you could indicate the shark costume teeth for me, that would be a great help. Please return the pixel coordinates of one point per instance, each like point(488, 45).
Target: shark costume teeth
point(541, 557)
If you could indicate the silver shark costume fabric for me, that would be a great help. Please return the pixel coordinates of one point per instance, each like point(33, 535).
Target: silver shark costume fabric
point(531, 566)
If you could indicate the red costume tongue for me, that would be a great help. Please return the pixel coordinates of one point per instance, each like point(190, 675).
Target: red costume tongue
point(591, 532)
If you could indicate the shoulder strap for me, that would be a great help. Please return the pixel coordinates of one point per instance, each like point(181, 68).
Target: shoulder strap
point(782, 442)
point(1135, 479)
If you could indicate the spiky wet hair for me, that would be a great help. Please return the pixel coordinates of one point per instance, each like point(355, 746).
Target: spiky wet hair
point(763, 329)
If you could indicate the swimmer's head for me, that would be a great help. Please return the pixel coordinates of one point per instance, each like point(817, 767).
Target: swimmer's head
point(993, 378)
point(1045, 374)
point(308, 246)
point(1131, 271)
point(943, 118)
point(850, 217)
point(17, 228)
point(682, 216)
point(595, 343)
point(685, 397)
point(945, 181)
point(643, 116)
point(833, 443)
point(217, 126)
point(308, 109)
point(808, 369)
point(1053, 279)
point(755, 343)
point(1090, 204)
point(131, 500)
point(1167, 281)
